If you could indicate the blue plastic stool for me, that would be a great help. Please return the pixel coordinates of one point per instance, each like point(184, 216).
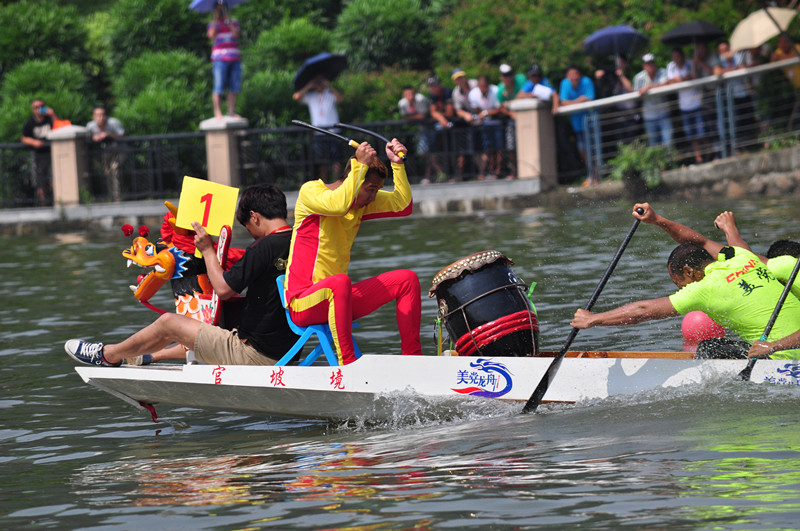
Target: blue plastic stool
point(321, 331)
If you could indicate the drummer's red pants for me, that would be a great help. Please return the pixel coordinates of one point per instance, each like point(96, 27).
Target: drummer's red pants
point(338, 302)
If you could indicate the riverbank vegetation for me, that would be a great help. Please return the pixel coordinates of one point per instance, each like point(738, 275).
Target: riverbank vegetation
point(148, 60)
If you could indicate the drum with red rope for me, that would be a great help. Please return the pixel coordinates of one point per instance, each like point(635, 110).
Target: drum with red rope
point(484, 307)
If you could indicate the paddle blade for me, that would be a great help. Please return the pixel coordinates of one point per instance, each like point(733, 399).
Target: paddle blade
point(747, 371)
point(544, 384)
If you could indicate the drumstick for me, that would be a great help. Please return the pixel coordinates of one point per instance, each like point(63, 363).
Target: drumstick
point(349, 141)
point(373, 133)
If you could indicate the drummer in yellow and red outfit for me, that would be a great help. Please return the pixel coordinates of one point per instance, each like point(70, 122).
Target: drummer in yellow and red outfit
point(327, 219)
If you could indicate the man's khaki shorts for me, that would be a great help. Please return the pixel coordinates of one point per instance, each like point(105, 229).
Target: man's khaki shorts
point(217, 346)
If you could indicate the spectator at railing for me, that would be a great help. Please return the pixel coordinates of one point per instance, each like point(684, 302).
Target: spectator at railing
point(441, 99)
point(510, 84)
point(34, 135)
point(466, 115)
point(690, 101)
point(442, 111)
point(577, 88)
point(415, 107)
point(483, 99)
point(787, 51)
point(703, 65)
point(105, 131)
point(655, 109)
point(537, 86)
point(744, 111)
point(509, 87)
point(621, 122)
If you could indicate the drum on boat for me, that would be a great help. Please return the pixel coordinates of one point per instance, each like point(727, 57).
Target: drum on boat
point(484, 307)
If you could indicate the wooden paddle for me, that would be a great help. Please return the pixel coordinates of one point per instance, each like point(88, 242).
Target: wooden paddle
point(745, 374)
point(349, 141)
point(538, 393)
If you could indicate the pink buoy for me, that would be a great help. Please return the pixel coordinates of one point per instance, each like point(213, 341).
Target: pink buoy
point(697, 326)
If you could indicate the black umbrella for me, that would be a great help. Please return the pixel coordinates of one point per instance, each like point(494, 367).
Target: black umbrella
point(613, 40)
point(691, 33)
point(328, 65)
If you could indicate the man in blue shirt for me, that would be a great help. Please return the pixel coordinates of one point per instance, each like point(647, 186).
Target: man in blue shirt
point(576, 88)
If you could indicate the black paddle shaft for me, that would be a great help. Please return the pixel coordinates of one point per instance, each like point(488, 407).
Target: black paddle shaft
point(747, 371)
point(538, 393)
point(368, 132)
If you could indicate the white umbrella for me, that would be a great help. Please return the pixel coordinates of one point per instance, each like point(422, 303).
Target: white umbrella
point(757, 28)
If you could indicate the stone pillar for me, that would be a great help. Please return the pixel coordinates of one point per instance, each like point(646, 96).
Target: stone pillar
point(222, 151)
point(536, 141)
point(69, 160)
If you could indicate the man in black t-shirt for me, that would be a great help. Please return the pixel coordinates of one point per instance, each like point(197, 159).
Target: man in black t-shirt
point(263, 335)
point(34, 134)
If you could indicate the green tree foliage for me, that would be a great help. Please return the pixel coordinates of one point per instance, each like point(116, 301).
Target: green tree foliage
point(62, 85)
point(266, 99)
point(373, 96)
point(175, 68)
point(137, 26)
point(163, 92)
point(286, 45)
point(40, 31)
point(163, 110)
point(257, 16)
point(373, 35)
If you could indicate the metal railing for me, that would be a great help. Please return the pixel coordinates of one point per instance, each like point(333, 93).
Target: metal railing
point(743, 110)
point(290, 156)
point(16, 186)
point(144, 167)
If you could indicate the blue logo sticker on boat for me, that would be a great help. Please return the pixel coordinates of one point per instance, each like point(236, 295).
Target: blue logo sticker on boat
point(487, 378)
point(790, 372)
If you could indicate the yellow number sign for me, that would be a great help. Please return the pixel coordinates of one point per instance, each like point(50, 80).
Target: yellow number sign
point(211, 204)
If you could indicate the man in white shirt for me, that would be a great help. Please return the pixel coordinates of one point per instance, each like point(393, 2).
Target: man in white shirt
point(483, 100)
point(655, 109)
point(689, 101)
point(321, 98)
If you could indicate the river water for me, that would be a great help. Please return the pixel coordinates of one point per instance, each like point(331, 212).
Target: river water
point(721, 455)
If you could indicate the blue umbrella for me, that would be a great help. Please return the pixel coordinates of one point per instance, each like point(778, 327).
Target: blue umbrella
point(205, 6)
point(614, 40)
point(328, 65)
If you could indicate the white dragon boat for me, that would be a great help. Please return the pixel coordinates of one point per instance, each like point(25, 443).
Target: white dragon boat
point(485, 309)
point(364, 388)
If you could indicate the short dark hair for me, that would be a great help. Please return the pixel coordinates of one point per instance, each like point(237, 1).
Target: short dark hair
point(573, 66)
point(689, 254)
point(784, 247)
point(266, 199)
point(377, 168)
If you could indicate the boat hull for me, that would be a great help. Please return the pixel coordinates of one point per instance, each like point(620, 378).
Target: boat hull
point(367, 387)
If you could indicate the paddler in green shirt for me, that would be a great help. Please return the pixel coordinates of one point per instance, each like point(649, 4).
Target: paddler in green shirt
point(781, 258)
point(735, 289)
point(781, 255)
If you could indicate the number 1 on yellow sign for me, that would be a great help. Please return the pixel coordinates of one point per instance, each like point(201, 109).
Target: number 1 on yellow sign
point(213, 205)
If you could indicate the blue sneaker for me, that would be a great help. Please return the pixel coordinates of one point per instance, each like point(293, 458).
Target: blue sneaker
point(88, 353)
